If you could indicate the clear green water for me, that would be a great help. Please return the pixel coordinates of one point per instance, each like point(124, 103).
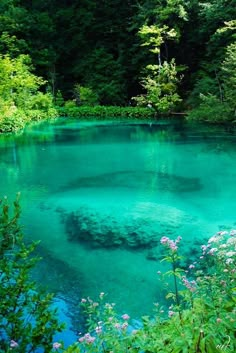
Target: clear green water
point(100, 195)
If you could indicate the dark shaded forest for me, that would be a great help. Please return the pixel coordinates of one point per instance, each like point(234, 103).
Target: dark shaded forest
point(173, 54)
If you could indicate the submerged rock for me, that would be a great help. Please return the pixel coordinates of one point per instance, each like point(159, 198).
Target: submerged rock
point(137, 179)
point(103, 231)
point(99, 229)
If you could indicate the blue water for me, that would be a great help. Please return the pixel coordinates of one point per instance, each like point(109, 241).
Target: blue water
point(99, 196)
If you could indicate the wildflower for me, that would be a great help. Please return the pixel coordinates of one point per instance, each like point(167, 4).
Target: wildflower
point(230, 253)
point(170, 243)
point(191, 285)
point(56, 345)
point(191, 266)
point(124, 326)
point(88, 338)
point(83, 300)
point(215, 239)
point(117, 325)
point(218, 320)
point(212, 251)
point(125, 317)
point(229, 261)
point(108, 306)
point(164, 240)
point(101, 295)
point(171, 313)
point(173, 245)
point(13, 344)
point(98, 329)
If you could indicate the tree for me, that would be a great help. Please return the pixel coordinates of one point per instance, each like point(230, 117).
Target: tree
point(161, 80)
point(21, 99)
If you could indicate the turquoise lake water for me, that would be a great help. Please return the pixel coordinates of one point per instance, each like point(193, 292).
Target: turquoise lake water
point(100, 196)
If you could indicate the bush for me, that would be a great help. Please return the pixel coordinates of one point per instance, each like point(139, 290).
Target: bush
point(107, 112)
point(85, 96)
point(212, 110)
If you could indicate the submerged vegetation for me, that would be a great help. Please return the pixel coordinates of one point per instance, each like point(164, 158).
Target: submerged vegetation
point(197, 314)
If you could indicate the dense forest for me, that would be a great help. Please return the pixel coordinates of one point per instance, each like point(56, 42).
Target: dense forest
point(172, 55)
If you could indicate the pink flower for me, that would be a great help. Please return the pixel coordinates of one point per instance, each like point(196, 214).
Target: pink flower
point(124, 325)
point(125, 317)
point(83, 300)
point(218, 320)
point(90, 340)
point(56, 345)
point(191, 266)
point(87, 338)
point(13, 344)
point(117, 325)
point(212, 251)
point(164, 240)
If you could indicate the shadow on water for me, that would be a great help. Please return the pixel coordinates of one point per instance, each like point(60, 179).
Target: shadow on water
point(138, 179)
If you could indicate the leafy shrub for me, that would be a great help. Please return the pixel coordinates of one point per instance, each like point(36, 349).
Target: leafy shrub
point(85, 96)
point(211, 109)
point(200, 317)
point(27, 319)
point(108, 112)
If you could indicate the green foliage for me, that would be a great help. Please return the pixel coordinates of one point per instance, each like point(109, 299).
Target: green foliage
point(20, 99)
point(211, 109)
point(154, 36)
point(108, 112)
point(161, 88)
point(27, 319)
point(229, 77)
point(59, 100)
point(85, 96)
point(221, 105)
point(160, 82)
point(200, 317)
